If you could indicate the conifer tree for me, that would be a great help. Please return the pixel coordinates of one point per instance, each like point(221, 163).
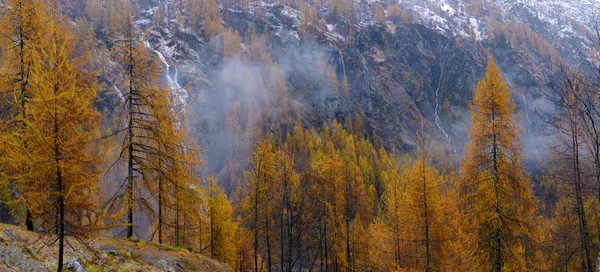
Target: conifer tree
point(173, 181)
point(286, 185)
point(389, 172)
point(256, 203)
point(426, 224)
point(22, 31)
point(61, 183)
point(573, 156)
point(145, 105)
point(222, 227)
point(496, 194)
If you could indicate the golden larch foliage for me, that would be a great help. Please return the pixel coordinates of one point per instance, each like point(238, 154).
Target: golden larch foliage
point(496, 193)
point(61, 183)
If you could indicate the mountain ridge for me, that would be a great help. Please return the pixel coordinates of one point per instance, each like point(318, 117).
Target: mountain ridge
point(373, 42)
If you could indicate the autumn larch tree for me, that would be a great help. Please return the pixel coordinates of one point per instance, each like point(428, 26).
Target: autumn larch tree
point(61, 184)
point(141, 142)
point(572, 126)
point(286, 183)
point(389, 174)
point(222, 227)
point(171, 176)
point(22, 29)
point(427, 214)
point(257, 198)
point(496, 194)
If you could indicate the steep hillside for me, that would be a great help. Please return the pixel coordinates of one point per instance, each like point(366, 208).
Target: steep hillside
point(400, 73)
point(21, 250)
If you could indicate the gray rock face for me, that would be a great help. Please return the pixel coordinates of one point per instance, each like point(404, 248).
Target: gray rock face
point(392, 71)
point(75, 265)
point(16, 255)
point(162, 265)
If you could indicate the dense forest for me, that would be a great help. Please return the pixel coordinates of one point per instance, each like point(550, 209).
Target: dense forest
point(77, 160)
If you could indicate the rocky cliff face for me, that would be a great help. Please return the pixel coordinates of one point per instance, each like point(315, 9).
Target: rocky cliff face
point(401, 76)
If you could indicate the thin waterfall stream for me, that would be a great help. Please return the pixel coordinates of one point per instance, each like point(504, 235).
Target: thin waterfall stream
point(437, 99)
point(179, 94)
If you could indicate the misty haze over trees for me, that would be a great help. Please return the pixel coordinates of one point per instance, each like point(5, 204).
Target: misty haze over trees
point(301, 135)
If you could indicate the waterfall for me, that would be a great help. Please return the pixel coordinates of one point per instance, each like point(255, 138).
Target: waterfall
point(437, 100)
point(365, 75)
point(121, 97)
point(179, 94)
point(342, 63)
point(365, 69)
point(528, 124)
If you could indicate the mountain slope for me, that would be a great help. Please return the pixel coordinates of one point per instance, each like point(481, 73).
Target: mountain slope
point(21, 250)
point(401, 75)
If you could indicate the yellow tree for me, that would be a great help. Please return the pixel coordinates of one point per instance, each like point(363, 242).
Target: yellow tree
point(222, 227)
point(146, 109)
point(21, 32)
point(379, 14)
point(356, 205)
point(286, 187)
point(341, 195)
point(563, 243)
point(256, 203)
point(426, 224)
point(172, 177)
point(496, 194)
point(61, 182)
point(187, 198)
point(389, 173)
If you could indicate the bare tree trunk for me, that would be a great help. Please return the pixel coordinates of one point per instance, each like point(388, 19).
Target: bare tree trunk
point(23, 71)
point(584, 235)
point(130, 165)
point(256, 227)
point(160, 204)
point(61, 200)
point(326, 251)
point(426, 215)
point(268, 241)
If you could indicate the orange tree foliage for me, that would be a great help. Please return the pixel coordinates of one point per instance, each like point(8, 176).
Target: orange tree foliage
point(319, 192)
point(222, 228)
point(204, 17)
point(497, 197)
point(257, 200)
point(334, 202)
point(22, 32)
point(171, 175)
point(427, 221)
point(61, 183)
point(379, 14)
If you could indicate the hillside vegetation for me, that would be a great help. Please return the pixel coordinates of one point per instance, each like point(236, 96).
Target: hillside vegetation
point(22, 250)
